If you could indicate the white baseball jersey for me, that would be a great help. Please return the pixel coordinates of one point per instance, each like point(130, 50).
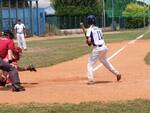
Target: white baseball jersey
point(96, 35)
point(19, 28)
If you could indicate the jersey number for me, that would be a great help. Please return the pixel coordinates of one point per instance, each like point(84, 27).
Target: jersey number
point(99, 35)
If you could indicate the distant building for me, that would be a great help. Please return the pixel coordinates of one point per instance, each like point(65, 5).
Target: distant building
point(50, 10)
point(33, 18)
point(47, 5)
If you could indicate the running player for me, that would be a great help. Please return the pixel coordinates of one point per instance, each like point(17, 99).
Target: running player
point(95, 38)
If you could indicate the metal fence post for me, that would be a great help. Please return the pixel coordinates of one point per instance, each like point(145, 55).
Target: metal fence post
point(112, 15)
point(149, 15)
point(104, 15)
point(37, 13)
point(16, 9)
point(9, 12)
point(31, 19)
point(24, 20)
point(1, 14)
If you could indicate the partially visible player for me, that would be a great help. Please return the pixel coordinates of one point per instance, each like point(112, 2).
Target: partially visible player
point(5, 45)
point(95, 38)
point(14, 56)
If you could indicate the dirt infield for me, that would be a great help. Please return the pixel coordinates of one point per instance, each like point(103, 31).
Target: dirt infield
point(66, 82)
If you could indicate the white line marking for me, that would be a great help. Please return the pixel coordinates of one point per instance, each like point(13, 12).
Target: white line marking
point(133, 41)
point(118, 51)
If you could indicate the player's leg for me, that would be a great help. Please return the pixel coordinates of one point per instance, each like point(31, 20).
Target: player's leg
point(108, 65)
point(19, 40)
point(23, 41)
point(91, 61)
point(13, 74)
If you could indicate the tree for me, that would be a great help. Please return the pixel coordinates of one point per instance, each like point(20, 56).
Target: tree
point(136, 14)
point(13, 3)
point(119, 6)
point(77, 7)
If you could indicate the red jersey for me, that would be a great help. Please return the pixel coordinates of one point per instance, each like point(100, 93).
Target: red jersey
point(5, 45)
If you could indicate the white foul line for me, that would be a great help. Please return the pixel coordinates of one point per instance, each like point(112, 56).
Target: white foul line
point(118, 51)
point(133, 41)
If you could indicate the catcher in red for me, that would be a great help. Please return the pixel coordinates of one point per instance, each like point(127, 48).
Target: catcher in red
point(15, 57)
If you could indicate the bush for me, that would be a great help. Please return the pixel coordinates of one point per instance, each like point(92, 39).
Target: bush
point(135, 15)
point(135, 22)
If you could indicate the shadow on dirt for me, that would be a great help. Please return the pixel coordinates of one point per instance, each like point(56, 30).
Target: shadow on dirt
point(25, 84)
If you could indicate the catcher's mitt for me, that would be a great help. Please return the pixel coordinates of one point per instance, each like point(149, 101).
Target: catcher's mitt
point(17, 53)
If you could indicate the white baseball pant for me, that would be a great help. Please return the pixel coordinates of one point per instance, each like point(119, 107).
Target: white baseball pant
point(21, 41)
point(99, 53)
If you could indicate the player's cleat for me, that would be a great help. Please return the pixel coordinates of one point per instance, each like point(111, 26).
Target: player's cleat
point(91, 82)
point(17, 87)
point(31, 68)
point(118, 77)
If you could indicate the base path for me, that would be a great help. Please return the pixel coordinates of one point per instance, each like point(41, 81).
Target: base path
point(66, 82)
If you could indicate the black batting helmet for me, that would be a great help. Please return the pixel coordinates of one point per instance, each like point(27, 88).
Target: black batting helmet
point(91, 19)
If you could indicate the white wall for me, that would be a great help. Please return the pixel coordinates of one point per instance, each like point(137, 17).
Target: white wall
point(43, 3)
point(146, 1)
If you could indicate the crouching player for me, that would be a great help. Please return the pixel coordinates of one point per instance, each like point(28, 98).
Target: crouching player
point(12, 57)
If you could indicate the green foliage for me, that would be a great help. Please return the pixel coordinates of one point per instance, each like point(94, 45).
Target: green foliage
point(77, 7)
point(147, 58)
point(13, 3)
point(135, 10)
point(136, 15)
point(119, 7)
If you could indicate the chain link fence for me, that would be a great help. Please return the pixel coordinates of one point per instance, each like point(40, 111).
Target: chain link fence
point(116, 23)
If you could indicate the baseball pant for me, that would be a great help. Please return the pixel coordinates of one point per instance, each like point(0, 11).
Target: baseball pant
point(21, 41)
point(99, 54)
point(14, 77)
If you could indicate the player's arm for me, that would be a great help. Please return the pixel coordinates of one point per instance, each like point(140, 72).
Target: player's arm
point(15, 30)
point(88, 38)
point(88, 41)
point(24, 29)
point(10, 56)
point(11, 49)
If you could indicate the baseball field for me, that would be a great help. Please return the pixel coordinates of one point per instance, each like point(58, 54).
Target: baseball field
point(60, 83)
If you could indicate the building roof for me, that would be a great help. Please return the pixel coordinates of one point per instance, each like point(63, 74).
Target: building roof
point(50, 10)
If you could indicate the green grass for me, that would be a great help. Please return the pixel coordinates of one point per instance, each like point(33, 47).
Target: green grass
point(136, 106)
point(50, 52)
point(123, 36)
point(147, 58)
point(147, 35)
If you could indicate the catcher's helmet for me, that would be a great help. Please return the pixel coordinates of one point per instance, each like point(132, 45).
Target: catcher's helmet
point(91, 19)
point(8, 33)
